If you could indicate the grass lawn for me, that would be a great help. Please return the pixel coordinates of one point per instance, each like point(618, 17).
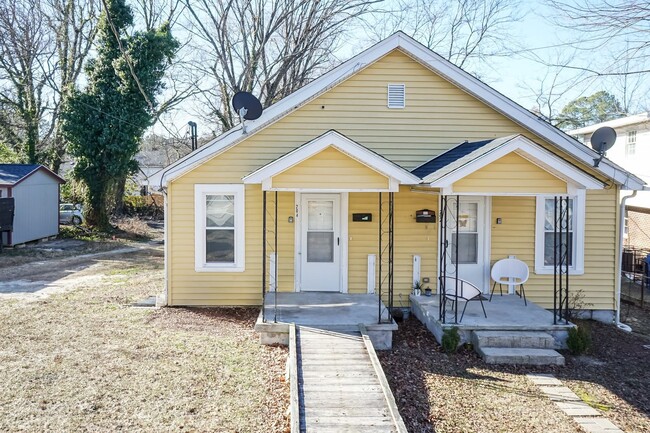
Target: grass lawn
point(83, 360)
point(442, 393)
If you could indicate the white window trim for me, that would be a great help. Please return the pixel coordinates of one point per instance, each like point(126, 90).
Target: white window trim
point(578, 267)
point(200, 193)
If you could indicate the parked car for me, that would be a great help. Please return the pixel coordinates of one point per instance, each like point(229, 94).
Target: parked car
point(70, 214)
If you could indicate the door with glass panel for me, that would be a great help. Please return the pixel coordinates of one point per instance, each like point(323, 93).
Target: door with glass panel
point(471, 261)
point(320, 258)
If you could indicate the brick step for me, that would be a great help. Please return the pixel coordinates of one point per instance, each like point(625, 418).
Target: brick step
point(513, 339)
point(518, 355)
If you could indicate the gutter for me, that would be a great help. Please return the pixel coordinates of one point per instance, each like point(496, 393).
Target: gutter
point(619, 274)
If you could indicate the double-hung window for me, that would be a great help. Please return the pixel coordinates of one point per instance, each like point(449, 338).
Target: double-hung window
point(630, 144)
point(219, 227)
point(546, 239)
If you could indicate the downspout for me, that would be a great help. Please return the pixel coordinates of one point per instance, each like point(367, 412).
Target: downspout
point(165, 302)
point(621, 230)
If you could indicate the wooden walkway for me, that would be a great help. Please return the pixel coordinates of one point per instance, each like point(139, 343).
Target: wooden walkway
point(341, 386)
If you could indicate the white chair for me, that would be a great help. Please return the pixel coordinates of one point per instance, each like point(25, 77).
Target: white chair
point(466, 292)
point(511, 272)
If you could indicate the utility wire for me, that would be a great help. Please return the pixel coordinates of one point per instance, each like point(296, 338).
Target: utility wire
point(129, 62)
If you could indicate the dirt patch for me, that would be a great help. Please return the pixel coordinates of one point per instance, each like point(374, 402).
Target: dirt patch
point(36, 252)
point(638, 318)
point(38, 280)
point(83, 360)
point(437, 392)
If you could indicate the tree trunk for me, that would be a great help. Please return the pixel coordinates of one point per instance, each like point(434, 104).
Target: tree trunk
point(96, 205)
point(120, 186)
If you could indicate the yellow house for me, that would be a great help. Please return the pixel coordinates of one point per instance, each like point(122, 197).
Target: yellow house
point(367, 179)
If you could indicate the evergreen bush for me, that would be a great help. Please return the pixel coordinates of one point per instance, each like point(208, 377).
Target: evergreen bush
point(450, 340)
point(579, 340)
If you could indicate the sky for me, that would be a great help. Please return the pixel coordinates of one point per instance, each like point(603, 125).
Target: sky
point(515, 75)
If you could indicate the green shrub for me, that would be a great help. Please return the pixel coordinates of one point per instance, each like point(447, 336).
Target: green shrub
point(579, 340)
point(450, 340)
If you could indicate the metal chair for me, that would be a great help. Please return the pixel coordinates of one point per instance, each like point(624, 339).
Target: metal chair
point(511, 272)
point(466, 292)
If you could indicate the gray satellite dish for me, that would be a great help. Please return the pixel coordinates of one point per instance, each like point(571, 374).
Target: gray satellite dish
point(601, 141)
point(247, 106)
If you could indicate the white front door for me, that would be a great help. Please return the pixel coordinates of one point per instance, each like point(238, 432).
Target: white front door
point(471, 237)
point(320, 249)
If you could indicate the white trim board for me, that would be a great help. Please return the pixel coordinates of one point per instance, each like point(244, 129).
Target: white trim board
point(340, 142)
point(525, 148)
point(435, 63)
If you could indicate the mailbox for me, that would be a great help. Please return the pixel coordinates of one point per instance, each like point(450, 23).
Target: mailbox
point(362, 217)
point(425, 216)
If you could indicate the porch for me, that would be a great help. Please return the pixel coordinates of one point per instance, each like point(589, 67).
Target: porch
point(332, 311)
point(504, 313)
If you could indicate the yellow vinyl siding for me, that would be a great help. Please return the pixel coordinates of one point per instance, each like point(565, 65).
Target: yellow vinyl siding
point(437, 116)
point(188, 287)
point(511, 174)
point(332, 169)
point(411, 239)
point(516, 236)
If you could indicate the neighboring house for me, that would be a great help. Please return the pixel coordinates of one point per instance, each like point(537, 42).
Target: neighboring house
point(637, 228)
point(396, 121)
point(35, 190)
point(632, 152)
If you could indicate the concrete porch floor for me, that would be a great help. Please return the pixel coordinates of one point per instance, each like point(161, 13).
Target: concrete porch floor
point(504, 313)
point(324, 310)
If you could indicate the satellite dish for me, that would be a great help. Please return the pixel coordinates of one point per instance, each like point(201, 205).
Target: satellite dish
point(247, 106)
point(601, 141)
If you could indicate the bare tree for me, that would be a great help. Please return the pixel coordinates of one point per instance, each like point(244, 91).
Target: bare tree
point(624, 24)
point(459, 30)
point(26, 51)
point(270, 47)
point(74, 26)
point(152, 13)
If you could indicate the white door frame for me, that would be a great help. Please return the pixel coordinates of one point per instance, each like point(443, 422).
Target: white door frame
point(297, 264)
point(487, 241)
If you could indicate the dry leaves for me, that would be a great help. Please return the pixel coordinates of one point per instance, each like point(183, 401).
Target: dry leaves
point(444, 393)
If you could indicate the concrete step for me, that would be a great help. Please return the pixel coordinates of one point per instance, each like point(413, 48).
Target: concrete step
point(518, 355)
point(515, 339)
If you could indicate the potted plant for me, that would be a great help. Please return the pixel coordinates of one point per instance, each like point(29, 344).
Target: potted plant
point(417, 288)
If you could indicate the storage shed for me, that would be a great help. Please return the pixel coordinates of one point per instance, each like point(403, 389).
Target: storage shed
point(35, 190)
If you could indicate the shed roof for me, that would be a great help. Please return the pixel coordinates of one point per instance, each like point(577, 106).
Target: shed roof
point(11, 174)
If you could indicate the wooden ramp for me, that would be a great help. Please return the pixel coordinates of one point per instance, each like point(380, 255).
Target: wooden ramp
point(341, 386)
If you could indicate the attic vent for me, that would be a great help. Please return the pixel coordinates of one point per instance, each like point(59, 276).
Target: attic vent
point(396, 95)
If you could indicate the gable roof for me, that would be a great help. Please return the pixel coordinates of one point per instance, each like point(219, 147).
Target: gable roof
point(339, 141)
point(433, 62)
point(466, 158)
point(12, 174)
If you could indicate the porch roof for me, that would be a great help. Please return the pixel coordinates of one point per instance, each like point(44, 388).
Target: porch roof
point(358, 168)
point(467, 158)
